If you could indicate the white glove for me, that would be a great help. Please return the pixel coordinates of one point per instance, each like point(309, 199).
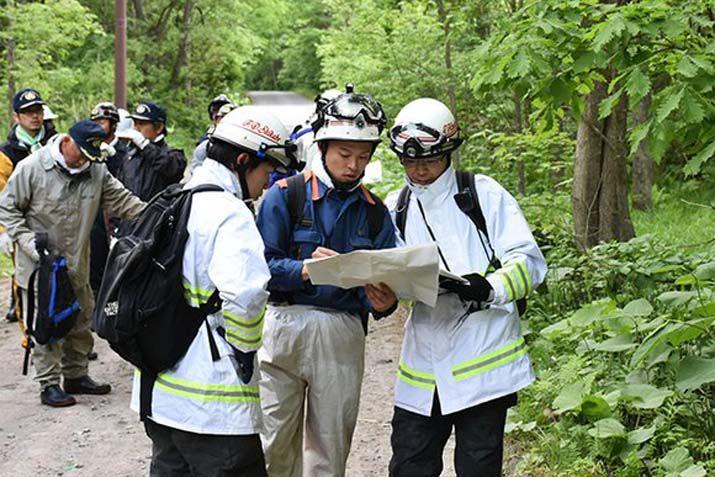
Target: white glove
point(134, 136)
point(5, 244)
point(107, 150)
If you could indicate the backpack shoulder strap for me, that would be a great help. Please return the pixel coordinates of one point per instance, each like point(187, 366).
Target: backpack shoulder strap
point(403, 201)
point(465, 183)
point(295, 196)
point(375, 213)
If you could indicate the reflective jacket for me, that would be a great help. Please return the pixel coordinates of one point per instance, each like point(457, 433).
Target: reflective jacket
point(339, 222)
point(468, 358)
point(224, 251)
point(41, 196)
point(148, 171)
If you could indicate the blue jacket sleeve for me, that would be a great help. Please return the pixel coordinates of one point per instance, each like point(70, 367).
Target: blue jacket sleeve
point(384, 239)
point(273, 222)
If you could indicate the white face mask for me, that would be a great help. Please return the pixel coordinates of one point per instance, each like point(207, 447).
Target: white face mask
point(60, 159)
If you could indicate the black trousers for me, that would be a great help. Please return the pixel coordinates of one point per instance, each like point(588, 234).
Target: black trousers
point(418, 441)
point(98, 252)
point(179, 453)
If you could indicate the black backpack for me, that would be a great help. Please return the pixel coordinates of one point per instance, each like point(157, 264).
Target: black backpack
point(468, 202)
point(141, 308)
point(53, 312)
point(295, 197)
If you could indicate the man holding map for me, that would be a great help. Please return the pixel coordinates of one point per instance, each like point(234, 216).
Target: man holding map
point(311, 360)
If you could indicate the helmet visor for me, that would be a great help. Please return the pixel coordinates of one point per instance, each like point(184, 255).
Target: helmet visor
point(350, 106)
point(420, 140)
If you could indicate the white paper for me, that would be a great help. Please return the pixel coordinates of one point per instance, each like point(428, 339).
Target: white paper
point(411, 272)
point(444, 273)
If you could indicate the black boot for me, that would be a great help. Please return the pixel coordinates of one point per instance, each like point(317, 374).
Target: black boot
point(85, 385)
point(54, 396)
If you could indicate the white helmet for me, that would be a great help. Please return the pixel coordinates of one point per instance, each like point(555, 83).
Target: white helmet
point(47, 113)
point(254, 129)
point(425, 127)
point(350, 117)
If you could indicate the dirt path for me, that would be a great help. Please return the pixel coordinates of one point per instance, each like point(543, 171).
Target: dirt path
point(102, 436)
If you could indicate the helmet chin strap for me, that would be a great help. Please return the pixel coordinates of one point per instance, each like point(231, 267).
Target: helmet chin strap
point(245, 191)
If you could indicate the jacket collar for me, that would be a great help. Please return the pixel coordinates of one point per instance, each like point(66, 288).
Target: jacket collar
point(321, 179)
point(443, 187)
point(212, 172)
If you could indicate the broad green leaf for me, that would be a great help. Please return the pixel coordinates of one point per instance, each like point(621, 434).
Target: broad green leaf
point(608, 427)
point(607, 105)
point(555, 330)
point(686, 331)
point(660, 354)
point(583, 62)
point(571, 396)
point(670, 102)
point(695, 372)
point(676, 298)
point(692, 110)
point(640, 435)
point(644, 396)
point(637, 86)
point(638, 133)
point(639, 307)
point(595, 407)
point(588, 314)
point(676, 460)
point(694, 471)
point(706, 271)
point(687, 68)
point(616, 344)
point(695, 164)
point(519, 65)
point(607, 30)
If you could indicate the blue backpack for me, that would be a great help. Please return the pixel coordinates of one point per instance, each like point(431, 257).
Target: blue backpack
point(53, 311)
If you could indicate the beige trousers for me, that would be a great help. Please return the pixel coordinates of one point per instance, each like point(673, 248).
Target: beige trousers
point(68, 356)
point(311, 365)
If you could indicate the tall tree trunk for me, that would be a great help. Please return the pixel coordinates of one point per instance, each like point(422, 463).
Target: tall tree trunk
point(600, 192)
point(183, 58)
point(10, 51)
point(643, 167)
point(451, 90)
point(518, 129)
point(138, 9)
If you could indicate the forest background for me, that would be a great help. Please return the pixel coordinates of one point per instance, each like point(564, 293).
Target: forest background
point(599, 116)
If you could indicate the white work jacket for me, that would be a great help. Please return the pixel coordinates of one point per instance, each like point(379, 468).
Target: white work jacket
point(467, 358)
point(224, 251)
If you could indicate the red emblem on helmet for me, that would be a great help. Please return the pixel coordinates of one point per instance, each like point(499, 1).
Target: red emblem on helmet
point(262, 130)
point(450, 129)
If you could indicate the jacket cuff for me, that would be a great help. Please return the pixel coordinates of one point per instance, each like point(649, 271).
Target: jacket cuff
point(500, 296)
point(379, 315)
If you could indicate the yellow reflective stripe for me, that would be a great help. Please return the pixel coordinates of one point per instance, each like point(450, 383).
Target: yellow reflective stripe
point(415, 378)
point(245, 334)
point(196, 296)
point(205, 392)
point(491, 360)
point(234, 337)
point(511, 293)
point(248, 324)
point(525, 277)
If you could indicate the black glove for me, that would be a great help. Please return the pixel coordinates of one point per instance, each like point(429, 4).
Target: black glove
point(245, 365)
point(478, 289)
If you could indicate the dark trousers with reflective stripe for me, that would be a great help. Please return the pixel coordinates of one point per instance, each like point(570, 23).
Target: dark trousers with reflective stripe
point(418, 441)
point(178, 453)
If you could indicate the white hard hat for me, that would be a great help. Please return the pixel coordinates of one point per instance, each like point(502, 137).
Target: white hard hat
point(47, 113)
point(350, 117)
point(257, 130)
point(425, 127)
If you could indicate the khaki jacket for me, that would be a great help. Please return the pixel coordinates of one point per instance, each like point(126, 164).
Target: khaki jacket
point(41, 196)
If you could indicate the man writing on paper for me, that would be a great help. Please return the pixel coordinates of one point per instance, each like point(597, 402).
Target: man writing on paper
point(463, 360)
point(314, 344)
